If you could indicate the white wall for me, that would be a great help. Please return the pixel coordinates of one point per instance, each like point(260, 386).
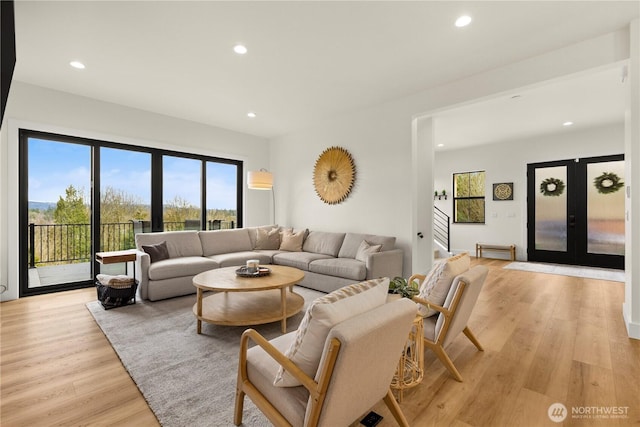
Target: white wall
point(507, 162)
point(380, 140)
point(43, 109)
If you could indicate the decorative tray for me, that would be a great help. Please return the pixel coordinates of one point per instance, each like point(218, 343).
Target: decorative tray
point(262, 271)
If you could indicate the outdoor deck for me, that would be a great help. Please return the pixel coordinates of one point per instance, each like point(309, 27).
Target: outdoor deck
point(67, 273)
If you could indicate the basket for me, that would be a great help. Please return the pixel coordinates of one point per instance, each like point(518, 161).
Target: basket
point(116, 294)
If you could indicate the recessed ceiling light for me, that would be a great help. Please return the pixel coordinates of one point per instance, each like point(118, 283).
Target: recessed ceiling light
point(251, 115)
point(567, 124)
point(440, 145)
point(240, 49)
point(77, 64)
point(463, 21)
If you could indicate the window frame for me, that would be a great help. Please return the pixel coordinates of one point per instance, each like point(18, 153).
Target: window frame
point(469, 198)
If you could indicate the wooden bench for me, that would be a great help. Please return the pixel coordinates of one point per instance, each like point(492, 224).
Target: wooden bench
point(495, 248)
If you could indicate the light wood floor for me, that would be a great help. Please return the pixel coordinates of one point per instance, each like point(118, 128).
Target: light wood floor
point(547, 339)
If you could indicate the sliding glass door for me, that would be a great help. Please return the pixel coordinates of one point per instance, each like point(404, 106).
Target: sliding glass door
point(80, 196)
point(57, 227)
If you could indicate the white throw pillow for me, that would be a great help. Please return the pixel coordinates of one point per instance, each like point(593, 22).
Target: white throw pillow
point(365, 249)
point(437, 283)
point(322, 315)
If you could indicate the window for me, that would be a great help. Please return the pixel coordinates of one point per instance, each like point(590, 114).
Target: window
point(81, 196)
point(468, 197)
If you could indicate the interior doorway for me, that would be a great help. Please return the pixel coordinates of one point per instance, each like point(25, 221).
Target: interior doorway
point(576, 211)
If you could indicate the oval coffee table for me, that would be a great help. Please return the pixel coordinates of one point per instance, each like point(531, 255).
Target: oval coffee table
point(243, 301)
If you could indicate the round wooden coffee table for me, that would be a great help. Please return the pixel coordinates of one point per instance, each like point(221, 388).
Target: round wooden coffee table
point(243, 301)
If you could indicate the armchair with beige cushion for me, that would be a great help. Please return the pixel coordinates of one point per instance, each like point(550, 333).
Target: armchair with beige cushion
point(335, 367)
point(448, 303)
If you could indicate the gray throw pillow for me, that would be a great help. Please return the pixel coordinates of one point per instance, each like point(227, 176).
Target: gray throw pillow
point(157, 252)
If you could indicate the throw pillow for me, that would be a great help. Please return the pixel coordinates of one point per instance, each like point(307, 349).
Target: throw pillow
point(437, 283)
point(268, 239)
point(290, 241)
point(157, 252)
point(365, 249)
point(322, 315)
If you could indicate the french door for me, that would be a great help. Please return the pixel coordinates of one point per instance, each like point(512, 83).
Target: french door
point(576, 211)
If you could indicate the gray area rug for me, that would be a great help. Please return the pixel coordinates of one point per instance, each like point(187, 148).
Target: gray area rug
point(187, 379)
point(569, 270)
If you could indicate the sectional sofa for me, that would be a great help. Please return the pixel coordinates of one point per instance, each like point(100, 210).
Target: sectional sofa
point(329, 260)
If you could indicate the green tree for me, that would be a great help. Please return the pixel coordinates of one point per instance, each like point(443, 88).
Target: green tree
point(74, 239)
point(72, 209)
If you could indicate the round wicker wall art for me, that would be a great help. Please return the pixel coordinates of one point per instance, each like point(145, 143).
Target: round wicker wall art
point(334, 175)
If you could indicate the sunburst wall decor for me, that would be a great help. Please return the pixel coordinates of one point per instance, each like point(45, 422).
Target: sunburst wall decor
point(334, 175)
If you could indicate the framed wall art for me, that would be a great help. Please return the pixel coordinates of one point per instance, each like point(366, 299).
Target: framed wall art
point(503, 191)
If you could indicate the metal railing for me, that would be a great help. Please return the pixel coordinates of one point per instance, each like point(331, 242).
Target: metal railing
point(70, 243)
point(441, 226)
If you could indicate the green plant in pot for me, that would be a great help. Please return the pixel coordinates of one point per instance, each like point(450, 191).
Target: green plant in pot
point(400, 286)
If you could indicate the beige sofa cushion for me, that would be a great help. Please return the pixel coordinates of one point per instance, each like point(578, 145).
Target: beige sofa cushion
point(299, 260)
point(437, 283)
point(322, 242)
point(322, 315)
point(340, 267)
point(253, 231)
point(225, 241)
point(179, 243)
point(240, 258)
point(180, 267)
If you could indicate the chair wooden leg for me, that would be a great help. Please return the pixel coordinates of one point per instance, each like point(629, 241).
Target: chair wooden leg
point(237, 417)
point(393, 406)
point(446, 361)
point(472, 338)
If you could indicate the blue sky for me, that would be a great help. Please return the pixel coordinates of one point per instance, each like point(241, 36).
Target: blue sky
point(53, 166)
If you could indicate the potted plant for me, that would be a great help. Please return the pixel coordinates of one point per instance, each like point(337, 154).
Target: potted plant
point(400, 286)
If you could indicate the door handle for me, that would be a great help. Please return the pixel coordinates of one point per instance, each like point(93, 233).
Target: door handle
point(572, 220)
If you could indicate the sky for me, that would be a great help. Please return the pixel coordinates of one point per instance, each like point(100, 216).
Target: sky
point(53, 166)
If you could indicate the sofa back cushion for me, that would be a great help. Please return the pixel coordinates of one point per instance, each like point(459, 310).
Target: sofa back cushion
point(352, 242)
point(225, 241)
point(179, 243)
point(323, 242)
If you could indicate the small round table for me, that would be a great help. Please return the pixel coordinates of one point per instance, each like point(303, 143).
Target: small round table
point(243, 301)
point(410, 370)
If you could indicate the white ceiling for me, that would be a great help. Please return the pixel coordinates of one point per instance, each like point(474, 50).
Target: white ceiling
point(308, 61)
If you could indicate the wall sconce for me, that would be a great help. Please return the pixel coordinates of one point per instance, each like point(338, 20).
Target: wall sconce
point(262, 180)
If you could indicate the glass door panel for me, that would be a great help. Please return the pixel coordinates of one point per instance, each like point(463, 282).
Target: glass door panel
point(605, 208)
point(551, 209)
point(222, 196)
point(125, 201)
point(181, 193)
point(59, 217)
point(576, 212)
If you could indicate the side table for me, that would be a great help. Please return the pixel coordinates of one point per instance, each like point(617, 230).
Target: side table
point(410, 370)
point(115, 296)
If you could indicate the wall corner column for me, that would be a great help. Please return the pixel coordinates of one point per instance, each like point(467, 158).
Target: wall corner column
point(631, 305)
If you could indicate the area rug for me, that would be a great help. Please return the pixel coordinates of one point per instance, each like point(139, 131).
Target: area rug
point(186, 378)
point(569, 270)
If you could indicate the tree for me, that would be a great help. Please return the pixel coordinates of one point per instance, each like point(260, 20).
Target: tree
point(72, 209)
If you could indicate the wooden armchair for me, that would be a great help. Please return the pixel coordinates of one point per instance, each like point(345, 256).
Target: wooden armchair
point(441, 329)
point(358, 362)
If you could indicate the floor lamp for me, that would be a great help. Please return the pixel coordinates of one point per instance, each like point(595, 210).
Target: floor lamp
point(262, 180)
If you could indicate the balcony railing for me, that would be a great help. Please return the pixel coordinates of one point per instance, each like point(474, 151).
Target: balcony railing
point(70, 243)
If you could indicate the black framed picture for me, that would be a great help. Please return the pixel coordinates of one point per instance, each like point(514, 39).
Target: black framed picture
point(503, 191)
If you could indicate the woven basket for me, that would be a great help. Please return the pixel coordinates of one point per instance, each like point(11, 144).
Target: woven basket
point(117, 294)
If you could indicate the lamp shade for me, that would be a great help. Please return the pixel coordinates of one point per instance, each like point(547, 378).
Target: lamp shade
point(260, 180)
